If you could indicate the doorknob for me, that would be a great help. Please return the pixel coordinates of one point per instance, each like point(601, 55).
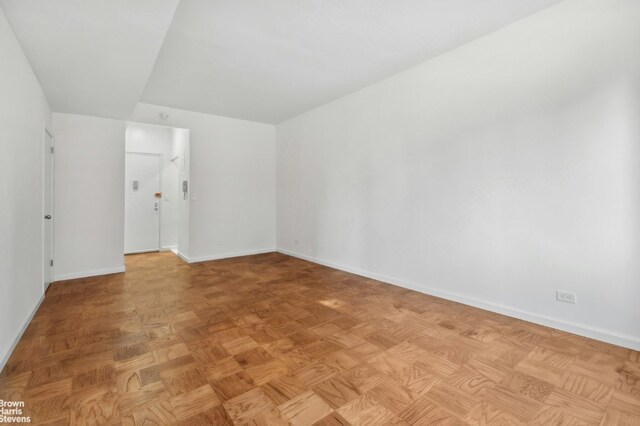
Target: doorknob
point(48, 216)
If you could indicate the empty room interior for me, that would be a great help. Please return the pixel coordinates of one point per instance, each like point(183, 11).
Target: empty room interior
point(320, 212)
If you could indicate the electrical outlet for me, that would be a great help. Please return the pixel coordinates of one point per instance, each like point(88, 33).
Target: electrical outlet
point(565, 296)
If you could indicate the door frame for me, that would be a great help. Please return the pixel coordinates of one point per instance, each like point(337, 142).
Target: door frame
point(46, 158)
point(160, 166)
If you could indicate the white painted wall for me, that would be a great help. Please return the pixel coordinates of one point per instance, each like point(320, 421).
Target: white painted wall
point(159, 140)
point(493, 174)
point(232, 182)
point(89, 196)
point(24, 111)
point(233, 212)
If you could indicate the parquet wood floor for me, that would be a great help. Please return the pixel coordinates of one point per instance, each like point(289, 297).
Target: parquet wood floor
point(270, 339)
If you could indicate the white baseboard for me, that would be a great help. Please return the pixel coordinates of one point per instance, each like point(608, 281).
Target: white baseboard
point(603, 335)
point(169, 248)
point(152, 250)
point(85, 274)
point(16, 339)
point(228, 255)
point(182, 256)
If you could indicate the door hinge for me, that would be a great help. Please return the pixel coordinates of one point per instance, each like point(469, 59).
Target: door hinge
point(52, 150)
point(51, 262)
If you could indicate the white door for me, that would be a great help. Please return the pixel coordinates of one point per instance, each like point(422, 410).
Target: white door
point(47, 267)
point(142, 202)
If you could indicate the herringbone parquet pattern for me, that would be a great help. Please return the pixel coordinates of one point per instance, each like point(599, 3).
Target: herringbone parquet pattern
point(270, 339)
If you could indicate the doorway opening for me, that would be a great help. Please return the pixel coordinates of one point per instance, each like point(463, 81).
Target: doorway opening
point(156, 189)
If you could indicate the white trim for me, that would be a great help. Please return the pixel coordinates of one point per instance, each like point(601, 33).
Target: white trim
point(181, 255)
point(16, 339)
point(169, 248)
point(85, 274)
point(45, 178)
point(166, 126)
point(608, 336)
point(227, 255)
point(151, 250)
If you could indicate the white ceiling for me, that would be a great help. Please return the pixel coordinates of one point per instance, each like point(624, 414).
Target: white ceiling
point(271, 60)
point(252, 59)
point(92, 57)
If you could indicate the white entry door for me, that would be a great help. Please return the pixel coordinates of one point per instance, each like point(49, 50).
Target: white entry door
point(142, 202)
point(47, 252)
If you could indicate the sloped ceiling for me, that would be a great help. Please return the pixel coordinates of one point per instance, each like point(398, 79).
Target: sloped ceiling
point(92, 57)
point(258, 60)
point(271, 60)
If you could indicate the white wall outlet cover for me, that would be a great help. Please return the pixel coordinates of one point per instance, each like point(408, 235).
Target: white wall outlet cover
point(566, 296)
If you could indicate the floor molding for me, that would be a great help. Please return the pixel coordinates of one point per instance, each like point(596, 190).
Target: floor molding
point(181, 256)
point(141, 251)
point(228, 255)
point(17, 338)
point(85, 274)
point(607, 336)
